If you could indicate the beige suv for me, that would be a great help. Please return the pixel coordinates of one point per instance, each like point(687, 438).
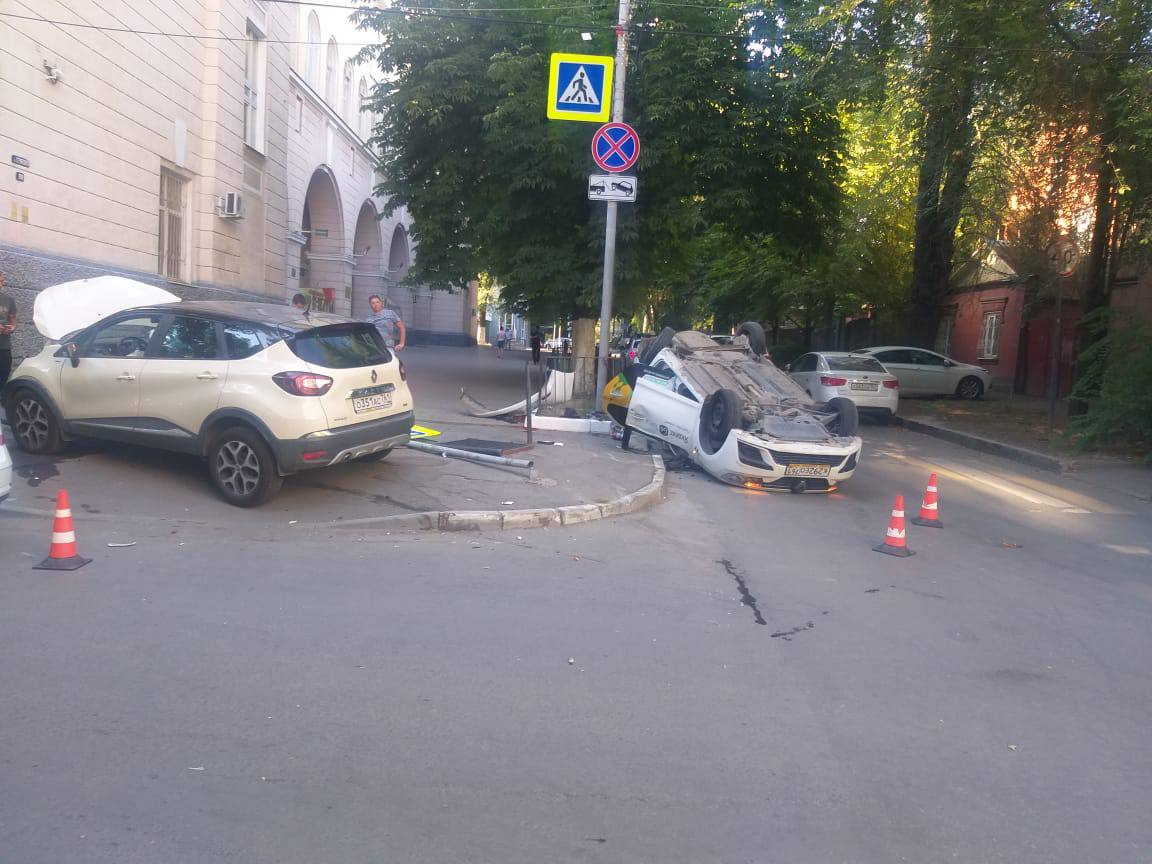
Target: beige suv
point(260, 391)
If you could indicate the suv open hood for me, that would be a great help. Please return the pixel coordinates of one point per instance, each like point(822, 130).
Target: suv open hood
point(71, 306)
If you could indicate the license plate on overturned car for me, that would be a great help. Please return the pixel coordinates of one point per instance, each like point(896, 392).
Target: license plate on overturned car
point(372, 402)
point(801, 470)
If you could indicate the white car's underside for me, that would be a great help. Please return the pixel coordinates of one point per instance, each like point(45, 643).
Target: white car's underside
point(780, 440)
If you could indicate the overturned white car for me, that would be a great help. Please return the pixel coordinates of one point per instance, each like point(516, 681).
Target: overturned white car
point(733, 413)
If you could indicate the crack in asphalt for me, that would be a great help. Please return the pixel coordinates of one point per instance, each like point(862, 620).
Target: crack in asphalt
point(742, 587)
point(787, 635)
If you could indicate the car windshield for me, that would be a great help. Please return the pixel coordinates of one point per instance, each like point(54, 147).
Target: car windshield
point(854, 364)
point(341, 346)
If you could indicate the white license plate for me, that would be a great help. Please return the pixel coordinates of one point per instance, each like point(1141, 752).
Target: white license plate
point(799, 470)
point(864, 385)
point(373, 402)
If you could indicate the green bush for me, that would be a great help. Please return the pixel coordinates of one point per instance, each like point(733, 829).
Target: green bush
point(1115, 382)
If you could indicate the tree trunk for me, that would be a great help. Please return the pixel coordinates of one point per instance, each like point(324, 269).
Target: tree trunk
point(947, 155)
point(583, 355)
point(1095, 277)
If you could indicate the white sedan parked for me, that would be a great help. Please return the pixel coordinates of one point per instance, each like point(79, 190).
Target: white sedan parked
point(824, 375)
point(926, 373)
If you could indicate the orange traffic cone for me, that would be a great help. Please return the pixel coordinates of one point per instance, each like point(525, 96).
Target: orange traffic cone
point(62, 554)
point(929, 512)
point(894, 540)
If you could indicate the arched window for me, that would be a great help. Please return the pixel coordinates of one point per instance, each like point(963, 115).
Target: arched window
point(331, 82)
point(348, 108)
point(363, 122)
point(312, 50)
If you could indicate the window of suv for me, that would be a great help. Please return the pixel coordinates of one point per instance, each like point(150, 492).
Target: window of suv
point(124, 337)
point(243, 340)
point(341, 346)
point(189, 338)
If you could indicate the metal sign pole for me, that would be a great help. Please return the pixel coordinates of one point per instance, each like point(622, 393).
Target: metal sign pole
point(610, 222)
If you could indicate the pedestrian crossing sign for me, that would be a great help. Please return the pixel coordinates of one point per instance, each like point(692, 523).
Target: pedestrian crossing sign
point(580, 88)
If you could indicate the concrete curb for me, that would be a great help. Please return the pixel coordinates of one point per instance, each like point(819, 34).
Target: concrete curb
point(984, 445)
point(648, 495)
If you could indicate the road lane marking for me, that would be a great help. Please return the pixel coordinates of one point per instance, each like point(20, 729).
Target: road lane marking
point(1014, 491)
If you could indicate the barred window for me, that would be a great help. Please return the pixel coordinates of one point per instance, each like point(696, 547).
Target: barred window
point(172, 255)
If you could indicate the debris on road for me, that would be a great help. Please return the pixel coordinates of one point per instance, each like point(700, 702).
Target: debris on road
point(121, 545)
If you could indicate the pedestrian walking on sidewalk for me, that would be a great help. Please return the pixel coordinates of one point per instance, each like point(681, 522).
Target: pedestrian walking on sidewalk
point(537, 344)
point(7, 328)
point(501, 338)
point(387, 323)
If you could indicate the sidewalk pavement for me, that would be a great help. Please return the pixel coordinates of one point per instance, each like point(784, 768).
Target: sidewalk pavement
point(129, 486)
point(1016, 427)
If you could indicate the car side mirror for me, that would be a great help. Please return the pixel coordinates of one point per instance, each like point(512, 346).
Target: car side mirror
point(787, 367)
point(948, 362)
point(73, 354)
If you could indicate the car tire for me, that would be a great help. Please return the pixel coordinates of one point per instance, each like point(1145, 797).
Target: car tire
point(970, 388)
point(34, 425)
point(719, 415)
point(658, 344)
point(243, 468)
point(757, 340)
point(846, 423)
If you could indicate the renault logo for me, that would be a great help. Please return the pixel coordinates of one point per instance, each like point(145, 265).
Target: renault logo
point(373, 376)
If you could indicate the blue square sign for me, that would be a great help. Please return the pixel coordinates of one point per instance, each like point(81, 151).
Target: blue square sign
point(580, 88)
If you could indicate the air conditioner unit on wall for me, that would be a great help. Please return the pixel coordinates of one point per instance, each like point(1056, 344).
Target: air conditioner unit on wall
point(229, 206)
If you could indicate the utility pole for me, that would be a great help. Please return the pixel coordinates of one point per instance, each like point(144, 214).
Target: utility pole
point(610, 222)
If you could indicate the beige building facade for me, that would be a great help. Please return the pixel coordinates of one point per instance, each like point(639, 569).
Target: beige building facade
point(214, 147)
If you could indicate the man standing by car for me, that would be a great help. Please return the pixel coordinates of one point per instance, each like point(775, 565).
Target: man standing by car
point(7, 327)
point(387, 323)
point(537, 344)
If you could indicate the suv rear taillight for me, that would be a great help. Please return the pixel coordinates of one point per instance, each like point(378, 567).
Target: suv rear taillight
point(303, 383)
point(829, 381)
point(892, 384)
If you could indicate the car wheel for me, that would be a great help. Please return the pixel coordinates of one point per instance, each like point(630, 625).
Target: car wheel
point(718, 416)
point(757, 341)
point(847, 419)
point(34, 426)
point(970, 388)
point(662, 341)
point(243, 468)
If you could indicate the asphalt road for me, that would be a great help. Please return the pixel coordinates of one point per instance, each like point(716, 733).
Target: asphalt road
point(732, 676)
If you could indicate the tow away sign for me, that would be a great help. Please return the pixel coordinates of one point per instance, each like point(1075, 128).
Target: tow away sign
point(611, 187)
point(580, 88)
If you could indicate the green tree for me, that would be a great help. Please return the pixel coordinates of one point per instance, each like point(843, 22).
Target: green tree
point(732, 142)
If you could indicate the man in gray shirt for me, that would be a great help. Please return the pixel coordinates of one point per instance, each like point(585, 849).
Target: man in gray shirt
point(7, 327)
point(387, 322)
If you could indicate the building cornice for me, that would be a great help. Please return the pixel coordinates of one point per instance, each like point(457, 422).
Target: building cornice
point(332, 115)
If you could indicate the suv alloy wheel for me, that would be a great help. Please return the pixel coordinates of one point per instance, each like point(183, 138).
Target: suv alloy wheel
point(243, 468)
point(33, 424)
